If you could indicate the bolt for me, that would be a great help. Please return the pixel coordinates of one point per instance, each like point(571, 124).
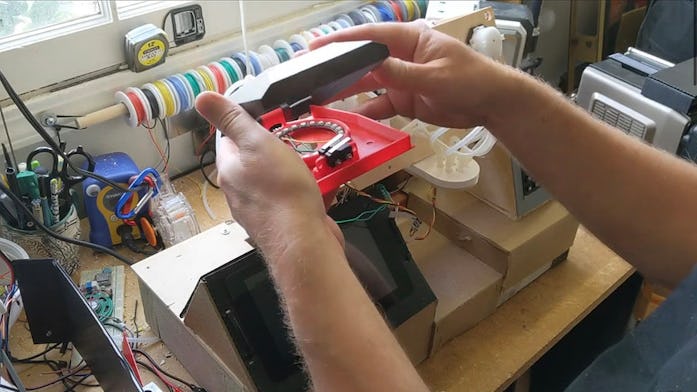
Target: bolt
point(226, 231)
point(49, 333)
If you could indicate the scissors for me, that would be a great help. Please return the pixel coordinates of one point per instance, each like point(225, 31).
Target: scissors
point(62, 173)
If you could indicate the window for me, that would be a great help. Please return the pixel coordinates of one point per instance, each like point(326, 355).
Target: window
point(23, 22)
point(130, 8)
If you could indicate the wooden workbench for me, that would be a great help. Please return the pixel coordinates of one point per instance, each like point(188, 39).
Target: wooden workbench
point(488, 357)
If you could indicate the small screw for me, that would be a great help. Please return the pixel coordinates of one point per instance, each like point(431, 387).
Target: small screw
point(226, 231)
point(49, 333)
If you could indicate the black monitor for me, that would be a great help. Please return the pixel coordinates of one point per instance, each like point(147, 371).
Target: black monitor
point(247, 302)
point(58, 313)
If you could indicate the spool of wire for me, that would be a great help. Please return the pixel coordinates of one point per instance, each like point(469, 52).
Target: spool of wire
point(241, 61)
point(141, 104)
point(191, 98)
point(220, 75)
point(207, 78)
point(335, 25)
point(154, 106)
point(233, 64)
point(229, 70)
point(161, 109)
point(357, 17)
point(256, 63)
point(182, 95)
point(193, 82)
point(386, 12)
point(175, 98)
point(166, 97)
point(297, 40)
point(345, 21)
point(132, 118)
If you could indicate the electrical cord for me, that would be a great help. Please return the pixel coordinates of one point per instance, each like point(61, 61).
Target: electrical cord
point(29, 359)
point(150, 359)
point(47, 138)
point(203, 171)
point(28, 213)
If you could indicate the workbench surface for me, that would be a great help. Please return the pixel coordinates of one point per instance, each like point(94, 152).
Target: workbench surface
point(488, 357)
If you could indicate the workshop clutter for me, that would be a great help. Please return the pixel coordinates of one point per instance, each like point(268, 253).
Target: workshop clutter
point(176, 94)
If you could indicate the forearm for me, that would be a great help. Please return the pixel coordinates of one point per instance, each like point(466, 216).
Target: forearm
point(638, 200)
point(342, 337)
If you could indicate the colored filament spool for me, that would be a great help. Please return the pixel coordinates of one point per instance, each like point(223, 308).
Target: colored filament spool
point(207, 81)
point(175, 96)
point(181, 93)
point(154, 106)
point(132, 118)
point(193, 83)
point(162, 110)
point(166, 97)
point(229, 70)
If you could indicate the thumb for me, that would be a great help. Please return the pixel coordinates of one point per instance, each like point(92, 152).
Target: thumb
point(231, 119)
point(401, 75)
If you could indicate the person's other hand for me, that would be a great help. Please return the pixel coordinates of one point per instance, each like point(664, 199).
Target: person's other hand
point(430, 76)
point(267, 186)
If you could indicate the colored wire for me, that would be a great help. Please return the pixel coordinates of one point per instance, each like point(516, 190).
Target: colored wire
point(19, 204)
point(433, 217)
point(230, 71)
point(363, 216)
point(163, 158)
point(166, 96)
point(181, 92)
point(194, 84)
point(48, 384)
point(191, 386)
point(199, 149)
point(29, 359)
point(203, 171)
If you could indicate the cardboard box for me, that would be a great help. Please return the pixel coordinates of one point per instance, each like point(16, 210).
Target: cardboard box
point(520, 250)
point(506, 186)
point(180, 309)
point(467, 289)
point(167, 281)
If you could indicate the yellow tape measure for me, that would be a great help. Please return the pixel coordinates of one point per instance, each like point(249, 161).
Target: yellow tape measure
point(146, 47)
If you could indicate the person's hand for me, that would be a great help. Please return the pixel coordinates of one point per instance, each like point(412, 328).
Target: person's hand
point(430, 76)
point(266, 184)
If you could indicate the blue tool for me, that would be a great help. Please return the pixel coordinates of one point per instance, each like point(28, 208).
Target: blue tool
point(101, 199)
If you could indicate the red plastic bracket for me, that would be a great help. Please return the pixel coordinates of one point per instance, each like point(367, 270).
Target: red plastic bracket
point(373, 144)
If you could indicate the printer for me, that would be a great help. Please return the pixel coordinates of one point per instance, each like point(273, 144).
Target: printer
point(646, 97)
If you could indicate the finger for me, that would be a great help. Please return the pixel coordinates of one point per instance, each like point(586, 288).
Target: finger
point(401, 38)
point(377, 108)
point(398, 74)
point(393, 73)
point(231, 119)
point(365, 84)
